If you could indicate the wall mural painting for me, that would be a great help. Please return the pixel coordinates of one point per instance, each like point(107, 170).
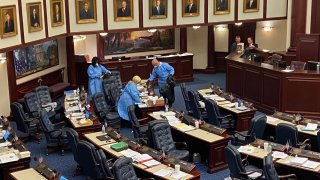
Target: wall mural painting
point(36, 58)
point(139, 41)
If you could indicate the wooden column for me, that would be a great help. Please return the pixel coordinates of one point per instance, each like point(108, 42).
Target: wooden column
point(211, 51)
point(183, 40)
point(72, 76)
point(100, 46)
point(315, 17)
point(298, 21)
point(11, 77)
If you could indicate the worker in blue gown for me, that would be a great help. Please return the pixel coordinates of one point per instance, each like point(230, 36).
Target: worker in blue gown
point(130, 95)
point(162, 71)
point(95, 72)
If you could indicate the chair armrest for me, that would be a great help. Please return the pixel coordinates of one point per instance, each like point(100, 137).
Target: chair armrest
point(305, 144)
point(181, 145)
point(288, 176)
point(245, 161)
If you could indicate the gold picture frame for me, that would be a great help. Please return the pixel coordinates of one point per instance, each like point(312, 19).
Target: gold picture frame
point(158, 9)
point(34, 16)
point(123, 10)
point(189, 10)
point(249, 7)
point(8, 18)
point(221, 7)
point(57, 13)
point(86, 11)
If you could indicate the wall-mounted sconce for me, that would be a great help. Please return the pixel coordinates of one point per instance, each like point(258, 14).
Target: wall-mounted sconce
point(103, 34)
point(152, 30)
point(267, 28)
point(3, 58)
point(77, 38)
point(196, 27)
point(238, 23)
point(220, 27)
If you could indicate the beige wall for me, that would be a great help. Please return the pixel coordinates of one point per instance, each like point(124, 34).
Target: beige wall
point(197, 41)
point(4, 90)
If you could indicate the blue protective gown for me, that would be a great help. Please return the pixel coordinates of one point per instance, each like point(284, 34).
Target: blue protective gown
point(161, 72)
point(129, 96)
point(95, 81)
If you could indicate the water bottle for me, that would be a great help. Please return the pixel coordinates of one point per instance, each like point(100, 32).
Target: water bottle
point(103, 129)
point(166, 106)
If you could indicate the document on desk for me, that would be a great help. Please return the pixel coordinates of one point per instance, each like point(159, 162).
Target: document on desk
point(129, 153)
point(8, 158)
point(254, 175)
point(151, 163)
point(271, 119)
point(246, 149)
point(163, 172)
point(171, 118)
point(298, 160)
point(178, 175)
point(279, 155)
point(142, 105)
point(311, 164)
point(210, 96)
point(309, 127)
point(5, 144)
point(142, 157)
point(169, 113)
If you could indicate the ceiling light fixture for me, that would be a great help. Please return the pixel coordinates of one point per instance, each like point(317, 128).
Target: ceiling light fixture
point(103, 34)
point(196, 27)
point(238, 23)
point(152, 30)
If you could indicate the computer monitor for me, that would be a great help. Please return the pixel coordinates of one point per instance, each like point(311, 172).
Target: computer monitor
point(312, 65)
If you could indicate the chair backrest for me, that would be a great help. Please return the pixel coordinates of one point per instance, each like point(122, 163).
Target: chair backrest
point(286, 132)
point(150, 135)
point(275, 57)
point(233, 159)
point(73, 139)
point(123, 169)
point(115, 92)
point(134, 121)
point(100, 105)
point(212, 112)
point(257, 127)
point(31, 101)
point(89, 160)
point(19, 117)
point(312, 65)
point(298, 65)
point(185, 96)
point(105, 168)
point(269, 170)
point(162, 137)
point(45, 122)
point(43, 94)
point(194, 104)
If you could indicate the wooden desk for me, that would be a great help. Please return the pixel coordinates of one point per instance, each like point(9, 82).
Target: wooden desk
point(243, 118)
point(144, 111)
point(270, 88)
point(212, 145)
point(25, 174)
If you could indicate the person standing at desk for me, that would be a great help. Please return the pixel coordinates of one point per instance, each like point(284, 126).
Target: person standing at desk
point(95, 73)
point(162, 71)
point(130, 95)
point(233, 47)
point(251, 45)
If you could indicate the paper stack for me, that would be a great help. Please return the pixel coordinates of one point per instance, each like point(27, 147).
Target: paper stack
point(298, 160)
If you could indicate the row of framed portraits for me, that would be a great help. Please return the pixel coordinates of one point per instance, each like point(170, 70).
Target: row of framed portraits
point(86, 12)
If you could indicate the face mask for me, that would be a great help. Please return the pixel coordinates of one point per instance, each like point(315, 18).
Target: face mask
point(97, 65)
point(155, 66)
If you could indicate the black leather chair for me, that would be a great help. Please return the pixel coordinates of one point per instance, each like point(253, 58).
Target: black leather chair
point(31, 126)
point(197, 111)
point(55, 134)
point(112, 86)
point(139, 131)
point(106, 165)
point(256, 131)
point(269, 171)
point(239, 168)
point(103, 111)
point(122, 169)
point(162, 140)
point(288, 132)
point(44, 97)
point(215, 118)
point(185, 97)
point(73, 139)
point(90, 160)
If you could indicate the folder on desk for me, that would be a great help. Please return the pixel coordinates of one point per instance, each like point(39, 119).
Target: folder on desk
point(119, 146)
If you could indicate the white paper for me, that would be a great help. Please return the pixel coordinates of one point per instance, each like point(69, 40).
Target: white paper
point(210, 96)
point(311, 164)
point(142, 157)
point(5, 144)
point(312, 126)
point(129, 153)
point(178, 175)
point(254, 175)
point(279, 155)
point(271, 119)
point(142, 105)
point(202, 105)
point(246, 149)
point(158, 113)
point(298, 160)
point(187, 128)
point(169, 113)
point(8, 158)
point(163, 172)
point(172, 118)
point(151, 163)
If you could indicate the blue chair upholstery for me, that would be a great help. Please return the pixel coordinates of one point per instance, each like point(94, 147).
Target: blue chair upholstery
point(150, 135)
point(162, 139)
point(286, 132)
point(139, 131)
point(197, 111)
point(24, 123)
point(123, 169)
point(103, 111)
point(44, 96)
point(185, 97)
point(269, 171)
point(237, 169)
point(256, 131)
point(215, 118)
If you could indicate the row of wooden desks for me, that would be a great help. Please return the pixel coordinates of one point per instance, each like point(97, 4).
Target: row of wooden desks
point(149, 171)
point(209, 145)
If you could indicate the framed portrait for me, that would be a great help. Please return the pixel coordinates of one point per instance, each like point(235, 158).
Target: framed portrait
point(34, 15)
point(8, 21)
point(221, 7)
point(251, 6)
point(56, 12)
point(158, 9)
point(86, 11)
point(190, 8)
point(123, 10)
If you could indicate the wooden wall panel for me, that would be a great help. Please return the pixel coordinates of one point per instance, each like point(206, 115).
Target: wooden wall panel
point(252, 87)
point(308, 47)
point(235, 75)
point(271, 96)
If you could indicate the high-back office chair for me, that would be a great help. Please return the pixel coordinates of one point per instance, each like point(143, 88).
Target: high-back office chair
point(312, 65)
point(276, 61)
point(197, 111)
point(55, 134)
point(298, 65)
point(215, 118)
point(150, 141)
point(270, 172)
point(162, 139)
point(185, 97)
point(139, 131)
point(112, 87)
point(44, 97)
point(288, 132)
point(73, 139)
point(24, 123)
point(123, 169)
point(103, 111)
point(256, 131)
point(237, 169)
